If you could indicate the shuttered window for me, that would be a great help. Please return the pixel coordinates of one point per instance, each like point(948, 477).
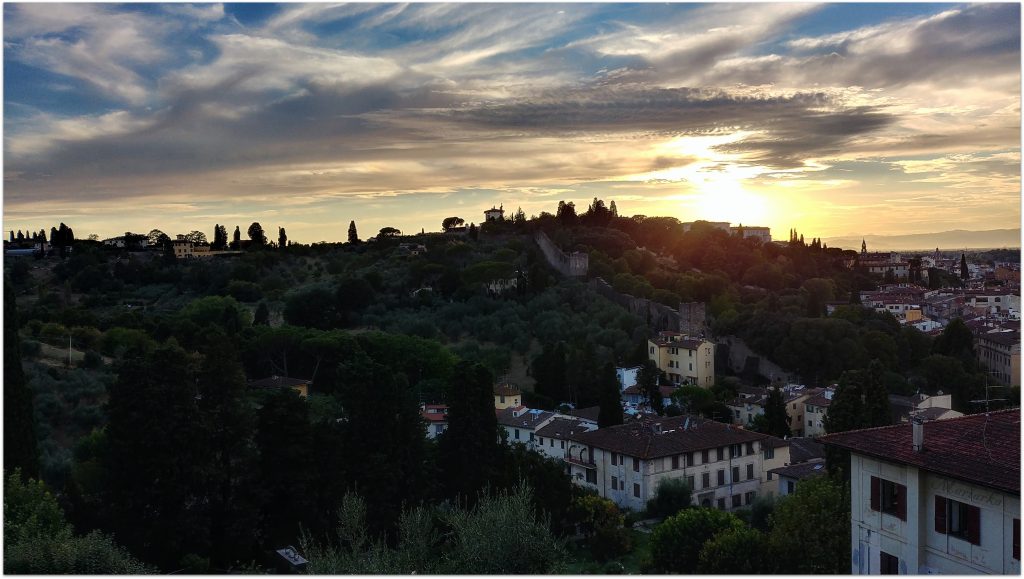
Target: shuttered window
point(889, 497)
point(958, 519)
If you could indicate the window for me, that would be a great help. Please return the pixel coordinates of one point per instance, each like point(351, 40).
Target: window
point(705, 480)
point(705, 457)
point(636, 490)
point(691, 366)
point(531, 437)
point(790, 487)
point(675, 462)
point(563, 445)
point(750, 448)
point(721, 477)
point(721, 504)
point(438, 428)
point(551, 442)
point(958, 520)
point(769, 475)
point(652, 350)
point(689, 482)
point(540, 441)
point(615, 459)
point(735, 474)
point(591, 476)
point(636, 465)
point(737, 501)
point(769, 453)
point(737, 413)
point(735, 450)
point(517, 434)
point(502, 398)
point(615, 483)
point(622, 484)
point(888, 564)
point(750, 471)
point(721, 453)
point(889, 497)
point(749, 497)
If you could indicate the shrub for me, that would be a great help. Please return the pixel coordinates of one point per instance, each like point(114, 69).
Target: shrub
point(672, 496)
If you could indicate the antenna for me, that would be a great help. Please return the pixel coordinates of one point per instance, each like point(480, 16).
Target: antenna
point(989, 399)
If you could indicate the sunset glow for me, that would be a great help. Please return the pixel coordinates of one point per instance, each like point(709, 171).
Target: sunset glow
point(835, 119)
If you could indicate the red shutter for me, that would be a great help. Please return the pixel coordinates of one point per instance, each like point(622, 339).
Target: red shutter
point(901, 502)
point(876, 494)
point(940, 515)
point(1016, 539)
point(974, 525)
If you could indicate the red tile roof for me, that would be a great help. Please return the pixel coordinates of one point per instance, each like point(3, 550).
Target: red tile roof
point(801, 471)
point(639, 438)
point(983, 449)
point(527, 419)
point(435, 413)
point(506, 390)
point(563, 428)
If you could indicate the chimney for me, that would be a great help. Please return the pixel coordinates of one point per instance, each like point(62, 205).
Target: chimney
point(917, 424)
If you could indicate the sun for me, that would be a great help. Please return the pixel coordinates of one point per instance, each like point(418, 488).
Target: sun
point(722, 197)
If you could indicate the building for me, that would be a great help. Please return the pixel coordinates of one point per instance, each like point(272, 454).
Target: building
point(723, 225)
point(436, 417)
point(553, 438)
point(627, 376)
point(507, 396)
point(815, 410)
point(521, 424)
point(277, 382)
point(725, 466)
point(1000, 353)
point(751, 231)
point(936, 497)
point(933, 407)
point(684, 359)
point(493, 214)
point(789, 476)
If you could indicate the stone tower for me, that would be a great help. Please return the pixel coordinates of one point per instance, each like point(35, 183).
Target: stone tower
point(693, 319)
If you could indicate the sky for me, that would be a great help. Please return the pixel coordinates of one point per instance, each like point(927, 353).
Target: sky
point(835, 119)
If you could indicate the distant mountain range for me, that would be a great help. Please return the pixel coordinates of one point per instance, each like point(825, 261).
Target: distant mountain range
point(945, 241)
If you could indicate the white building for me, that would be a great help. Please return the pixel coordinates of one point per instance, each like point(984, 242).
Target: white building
point(521, 423)
point(436, 417)
point(627, 376)
point(725, 466)
point(936, 497)
point(553, 439)
point(815, 410)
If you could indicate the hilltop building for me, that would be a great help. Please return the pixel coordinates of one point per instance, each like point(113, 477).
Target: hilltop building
point(684, 359)
point(493, 214)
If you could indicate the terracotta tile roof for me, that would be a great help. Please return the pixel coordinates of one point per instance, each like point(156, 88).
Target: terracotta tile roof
point(506, 390)
point(278, 382)
point(803, 449)
point(527, 418)
point(589, 413)
point(803, 470)
point(435, 412)
point(983, 449)
point(819, 400)
point(563, 428)
point(1001, 338)
point(638, 438)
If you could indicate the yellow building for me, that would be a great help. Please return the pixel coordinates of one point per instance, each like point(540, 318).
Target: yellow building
point(507, 396)
point(684, 359)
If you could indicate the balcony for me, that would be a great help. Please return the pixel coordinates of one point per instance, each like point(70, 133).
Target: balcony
point(580, 462)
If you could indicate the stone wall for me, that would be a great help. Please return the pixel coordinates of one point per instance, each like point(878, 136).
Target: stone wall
point(572, 265)
point(740, 355)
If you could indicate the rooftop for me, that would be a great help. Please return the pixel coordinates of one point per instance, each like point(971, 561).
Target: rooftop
point(803, 470)
point(803, 449)
point(506, 390)
point(641, 439)
point(522, 417)
point(563, 428)
point(279, 382)
point(982, 449)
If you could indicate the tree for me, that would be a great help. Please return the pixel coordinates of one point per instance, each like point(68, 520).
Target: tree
point(520, 217)
point(957, 341)
point(672, 496)
point(647, 379)
point(262, 315)
point(450, 222)
point(39, 541)
point(548, 370)
point(20, 449)
point(282, 238)
point(287, 466)
point(740, 551)
point(389, 472)
point(474, 233)
point(566, 213)
point(236, 242)
point(256, 234)
point(353, 236)
point(601, 524)
point(613, 209)
point(609, 398)
point(468, 449)
point(818, 513)
point(387, 232)
point(777, 421)
point(196, 237)
point(157, 459)
point(965, 274)
point(677, 542)
point(220, 237)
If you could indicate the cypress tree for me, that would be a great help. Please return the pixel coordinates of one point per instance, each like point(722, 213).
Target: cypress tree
point(964, 273)
point(237, 243)
point(282, 238)
point(353, 236)
point(775, 414)
point(469, 448)
point(609, 398)
point(20, 449)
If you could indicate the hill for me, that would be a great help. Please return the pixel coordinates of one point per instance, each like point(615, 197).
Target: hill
point(945, 240)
